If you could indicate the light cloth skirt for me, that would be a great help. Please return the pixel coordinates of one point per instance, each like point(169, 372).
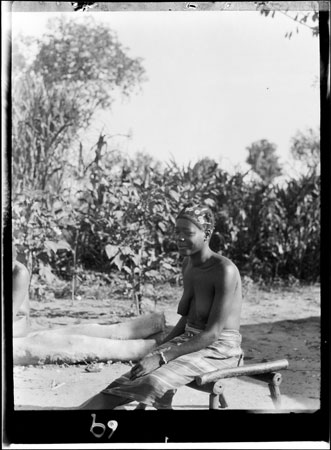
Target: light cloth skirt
point(158, 387)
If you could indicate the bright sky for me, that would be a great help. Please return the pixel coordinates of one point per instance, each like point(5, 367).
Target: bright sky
point(217, 81)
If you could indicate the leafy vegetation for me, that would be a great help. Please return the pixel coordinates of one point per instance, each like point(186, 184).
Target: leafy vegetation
point(263, 160)
point(117, 224)
point(76, 69)
point(305, 148)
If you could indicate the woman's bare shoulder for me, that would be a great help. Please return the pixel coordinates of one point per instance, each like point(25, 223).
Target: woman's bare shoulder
point(225, 265)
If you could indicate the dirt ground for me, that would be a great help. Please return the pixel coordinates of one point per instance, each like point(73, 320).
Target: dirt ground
point(276, 324)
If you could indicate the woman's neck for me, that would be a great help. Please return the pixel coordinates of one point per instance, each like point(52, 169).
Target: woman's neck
point(201, 257)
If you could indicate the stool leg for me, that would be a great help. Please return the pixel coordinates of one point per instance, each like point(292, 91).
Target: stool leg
point(274, 389)
point(219, 390)
point(275, 395)
point(274, 380)
point(223, 402)
point(217, 396)
point(213, 401)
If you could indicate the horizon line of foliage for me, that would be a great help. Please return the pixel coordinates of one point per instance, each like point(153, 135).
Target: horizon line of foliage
point(121, 216)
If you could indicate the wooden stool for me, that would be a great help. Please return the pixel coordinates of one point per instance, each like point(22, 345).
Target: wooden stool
point(212, 382)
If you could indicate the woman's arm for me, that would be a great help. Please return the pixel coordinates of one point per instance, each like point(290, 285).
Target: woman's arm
point(21, 281)
point(219, 312)
point(177, 330)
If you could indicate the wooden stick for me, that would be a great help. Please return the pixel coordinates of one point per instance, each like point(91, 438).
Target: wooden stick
point(58, 386)
point(251, 369)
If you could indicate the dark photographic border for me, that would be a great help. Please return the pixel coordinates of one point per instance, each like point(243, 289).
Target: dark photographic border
point(72, 427)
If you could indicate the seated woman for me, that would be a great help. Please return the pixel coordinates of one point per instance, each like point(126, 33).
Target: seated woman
point(207, 335)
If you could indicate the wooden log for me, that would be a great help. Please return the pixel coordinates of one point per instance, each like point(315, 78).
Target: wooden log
point(50, 348)
point(138, 328)
point(251, 369)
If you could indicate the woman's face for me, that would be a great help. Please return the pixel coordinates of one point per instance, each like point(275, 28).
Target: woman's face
point(190, 239)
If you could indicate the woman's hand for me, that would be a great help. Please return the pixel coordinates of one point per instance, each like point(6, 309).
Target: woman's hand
point(145, 366)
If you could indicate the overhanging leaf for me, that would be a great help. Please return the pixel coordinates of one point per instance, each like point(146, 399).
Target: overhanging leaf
point(153, 274)
point(46, 273)
point(118, 261)
point(162, 227)
point(173, 194)
point(111, 250)
point(126, 251)
point(50, 245)
point(62, 244)
point(167, 266)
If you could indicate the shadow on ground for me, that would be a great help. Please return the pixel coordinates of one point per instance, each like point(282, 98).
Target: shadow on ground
point(298, 341)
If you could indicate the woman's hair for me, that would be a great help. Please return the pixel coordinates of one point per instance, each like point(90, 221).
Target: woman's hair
point(201, 216)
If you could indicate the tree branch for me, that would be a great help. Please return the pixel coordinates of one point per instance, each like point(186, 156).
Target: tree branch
point(58, 132)
point(300, 22)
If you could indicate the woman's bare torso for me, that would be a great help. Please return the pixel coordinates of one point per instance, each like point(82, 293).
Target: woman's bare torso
point(199, 292)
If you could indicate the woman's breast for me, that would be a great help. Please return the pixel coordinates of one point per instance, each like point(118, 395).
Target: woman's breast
point(199, 310)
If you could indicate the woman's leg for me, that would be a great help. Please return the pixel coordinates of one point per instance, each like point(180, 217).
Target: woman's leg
point(104, 401)
point(165, 402)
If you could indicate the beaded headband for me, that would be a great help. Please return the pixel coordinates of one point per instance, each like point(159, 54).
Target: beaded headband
point(201, 216)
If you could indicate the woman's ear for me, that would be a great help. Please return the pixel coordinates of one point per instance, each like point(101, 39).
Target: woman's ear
point(207, 234)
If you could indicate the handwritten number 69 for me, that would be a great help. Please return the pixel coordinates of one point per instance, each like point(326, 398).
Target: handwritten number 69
point(112, 425)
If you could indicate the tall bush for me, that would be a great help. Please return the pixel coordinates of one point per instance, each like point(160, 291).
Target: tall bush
point(75, 69)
